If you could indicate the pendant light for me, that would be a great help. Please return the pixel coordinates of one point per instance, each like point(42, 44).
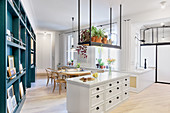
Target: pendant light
point(163, 4)
point(72, 47)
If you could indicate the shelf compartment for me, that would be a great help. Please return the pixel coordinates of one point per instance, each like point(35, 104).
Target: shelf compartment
point(98, 44)
point(9, 43)
point(10, 82)
point(12, 9)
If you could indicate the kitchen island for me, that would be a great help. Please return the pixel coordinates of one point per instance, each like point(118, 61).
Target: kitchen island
point(98, 96)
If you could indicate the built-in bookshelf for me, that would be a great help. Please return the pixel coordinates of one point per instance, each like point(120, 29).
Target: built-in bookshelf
point(18, 41)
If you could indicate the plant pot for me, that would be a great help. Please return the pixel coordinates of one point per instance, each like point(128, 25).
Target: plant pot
point(72, 63)
point(93, 39)
point(102, 67)
point(99, 40)
point(109, 41)
point(98, 66)
point(105, 40)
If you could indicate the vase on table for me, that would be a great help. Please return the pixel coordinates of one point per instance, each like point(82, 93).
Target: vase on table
point(110, 69)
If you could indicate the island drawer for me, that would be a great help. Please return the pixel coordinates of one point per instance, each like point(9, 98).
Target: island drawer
point(125, 86)
point(118, 82)
point(110, 84)
point(126, 79)
point(97, 99)
point(97, 89)
point(125, 94)
point(117, 89)
point(112, 102)
point(98, 109)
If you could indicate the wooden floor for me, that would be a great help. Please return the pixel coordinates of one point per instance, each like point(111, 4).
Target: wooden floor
point(40, 99)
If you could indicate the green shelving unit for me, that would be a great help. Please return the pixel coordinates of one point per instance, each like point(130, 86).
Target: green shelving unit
point(22, 46)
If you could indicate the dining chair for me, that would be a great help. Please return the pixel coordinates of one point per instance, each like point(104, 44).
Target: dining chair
point(58, 80)
point(49, 75)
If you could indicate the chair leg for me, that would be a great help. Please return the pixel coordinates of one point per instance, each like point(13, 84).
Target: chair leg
point(51, 80)
point(54, 87)
point(65, 85)
point(47, 81)
point(60, 88)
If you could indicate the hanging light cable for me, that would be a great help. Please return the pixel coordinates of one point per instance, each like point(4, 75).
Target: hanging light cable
point(72, 47)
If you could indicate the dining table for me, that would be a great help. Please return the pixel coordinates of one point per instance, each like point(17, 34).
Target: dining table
point(73, 73)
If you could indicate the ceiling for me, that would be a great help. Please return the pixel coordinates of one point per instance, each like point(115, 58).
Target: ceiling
point(56, 14)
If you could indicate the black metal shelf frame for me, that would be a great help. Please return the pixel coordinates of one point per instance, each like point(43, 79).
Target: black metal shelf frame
point(90, 43)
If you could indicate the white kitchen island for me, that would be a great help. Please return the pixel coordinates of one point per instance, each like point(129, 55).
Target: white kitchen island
point(98, 96)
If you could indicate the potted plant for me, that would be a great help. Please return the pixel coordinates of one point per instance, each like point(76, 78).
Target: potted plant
point(100, 35)
point(78, 66)
point(99, 61)
point(94, 33)
point(105, 39)
point(72, 62)
point(85, 35)
point(102, 65)
point(69, 63)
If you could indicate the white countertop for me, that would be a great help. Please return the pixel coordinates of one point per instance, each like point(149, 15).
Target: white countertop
point(102, 78)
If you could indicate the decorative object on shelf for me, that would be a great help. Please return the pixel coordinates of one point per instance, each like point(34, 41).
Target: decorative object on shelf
point(11, 62)
point(10, 92)
point(21, 68)
point(110, 61)
point(72, 62)
point(105, 39)
point(145, 64)
point(78, 66)
point(9, 106)
point(11, 73)
point(21, 90)
point(102, 65)
point(99, 61)
point(14, 103)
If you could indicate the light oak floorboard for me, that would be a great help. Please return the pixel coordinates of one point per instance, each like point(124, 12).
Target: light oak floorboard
point(40, 99)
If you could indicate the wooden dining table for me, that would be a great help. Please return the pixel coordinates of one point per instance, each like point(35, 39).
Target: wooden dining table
point(70, 73)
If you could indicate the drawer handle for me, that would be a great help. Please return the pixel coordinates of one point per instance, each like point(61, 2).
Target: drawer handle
point(125, 84)
point(117, 87)
point(125, 79)
point(117, 97)
point(110, 84)
point(125, 93)
point(110, 91)
point(97, 89)
point(97, 108)
point(117, 82)
point(110, 101)
point(97, 96)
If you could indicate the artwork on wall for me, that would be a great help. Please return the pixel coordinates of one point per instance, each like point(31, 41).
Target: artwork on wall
point(21, 90)
point(9, 105)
